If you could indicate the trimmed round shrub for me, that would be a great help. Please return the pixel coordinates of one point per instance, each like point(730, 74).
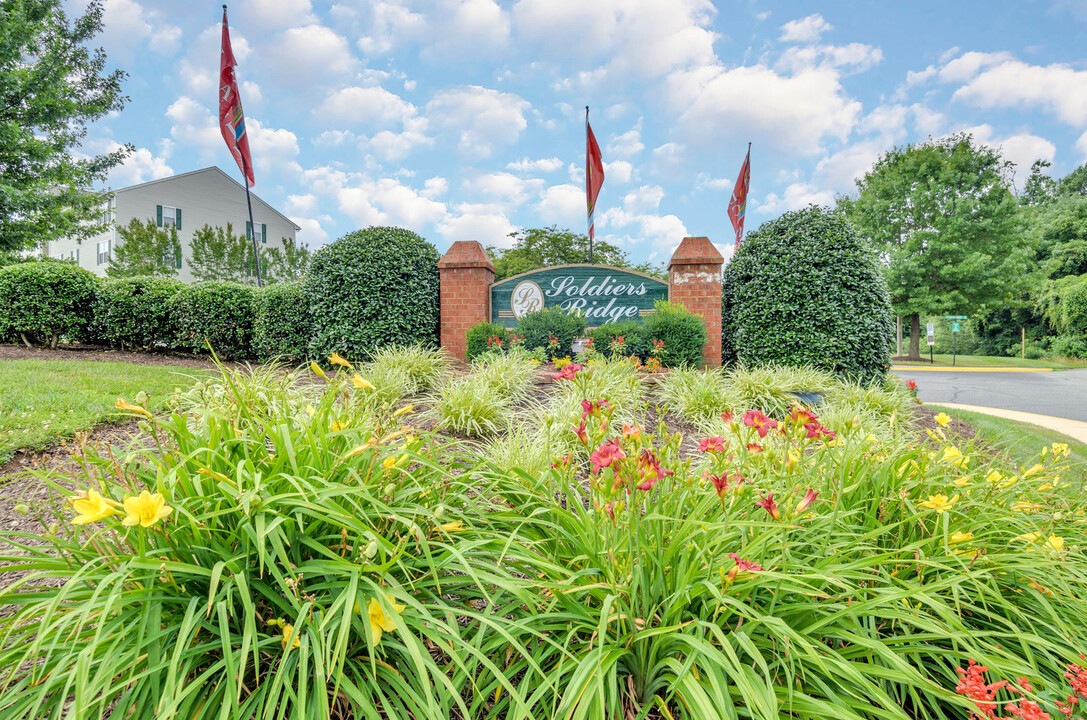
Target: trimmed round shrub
point(45, 300)
point(221, 313)
point(629, 330)
point(133, 312)
point(282, 327)
point(682, 332)
point(480, 333)
point(540, 326)
point(805, 289)
point(372, 288)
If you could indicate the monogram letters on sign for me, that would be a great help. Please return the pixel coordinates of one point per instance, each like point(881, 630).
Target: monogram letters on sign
point(600, 293)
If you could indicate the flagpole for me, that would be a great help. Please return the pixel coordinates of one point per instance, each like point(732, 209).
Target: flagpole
point(590, 220)
point(252, 225)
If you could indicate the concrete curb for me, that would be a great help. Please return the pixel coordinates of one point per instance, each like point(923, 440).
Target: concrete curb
point(1072, 428)
point(917, 368)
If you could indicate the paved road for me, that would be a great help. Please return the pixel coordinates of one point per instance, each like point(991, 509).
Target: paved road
point(1062, 393)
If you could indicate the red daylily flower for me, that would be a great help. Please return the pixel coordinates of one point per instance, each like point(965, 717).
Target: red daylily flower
point(911, 385)
point(806, 501)
point(802, 416)
point(563, 461)
point(726, 416)
point(568, 372)
point(767, 503)
point(580, 431)
point(744, 565)
point(720, 483)
point(759, 421)
point(591, 407)
point(632, 432)
point(606, 454)
point(712, 444)
point(754, 448)
point(650, 469)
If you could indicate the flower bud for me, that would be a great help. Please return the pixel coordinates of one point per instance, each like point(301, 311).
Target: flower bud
point(53, 528)
point(22, 508)
point(439, 512)
point(390, 489)
point(141, 398)
point(144, 426)
point(371, 550)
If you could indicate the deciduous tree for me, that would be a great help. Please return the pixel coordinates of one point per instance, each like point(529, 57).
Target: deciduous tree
point(945, 221)
point(536, 248)
point(51, 86)
point(145, 249)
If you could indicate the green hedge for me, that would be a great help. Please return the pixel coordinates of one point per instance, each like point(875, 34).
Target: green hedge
point(372, 288)
point(539, 326)
point(683, 334)
point(806, 289)
point(282, 327)
point(133, 312)
point(45, 300)
point(478, 335)
point(220, 312)
point(629, 330)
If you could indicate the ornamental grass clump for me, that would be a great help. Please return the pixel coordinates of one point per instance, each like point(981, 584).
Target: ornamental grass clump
point(255, 562)
point(423, 365)
point(695, 394)
point(471, 406)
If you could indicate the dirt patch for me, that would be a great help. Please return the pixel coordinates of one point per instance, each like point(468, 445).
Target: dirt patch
point(105, 354)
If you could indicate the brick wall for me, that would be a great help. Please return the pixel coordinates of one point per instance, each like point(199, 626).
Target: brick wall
point(694, 279)
point(466, 275)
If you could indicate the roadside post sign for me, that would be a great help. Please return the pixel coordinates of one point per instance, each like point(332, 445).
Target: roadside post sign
point(954, 327)
point(955, 339)
point(930, 331)
point(955, 317)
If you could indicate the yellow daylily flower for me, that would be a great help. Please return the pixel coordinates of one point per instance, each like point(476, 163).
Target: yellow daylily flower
point(145, 509)
point(317, 370)
point(288, 630)
point(91, 507)
point(389, 462)
point(335, 359)
point(1061, 449)
point(994, 477)
point(943, 419)
point(337, 425)
point(1027, 537)
point(1023, 506)
point(406, 410)
point(963, 481)
point(122, 405)
point(1034, 470)
point(959, 537)
point(911, 466)
point(452, 527)
point(954, 456)
point(310, 410)
point(380, 620)
point(361, 383)
point(940, 503)
point(1055, 542)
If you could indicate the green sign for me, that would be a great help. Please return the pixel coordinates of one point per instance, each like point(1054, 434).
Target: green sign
point(954, 317)
point(954, 327)
point(600, 293)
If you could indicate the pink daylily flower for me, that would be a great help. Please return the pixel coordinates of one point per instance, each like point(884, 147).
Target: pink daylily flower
point(712, 444)
point(606, 454)
point(568, 372)
point(744, 565)
point(802, 416)
point(767, 503)
point(650, 469)
point(580, 431)
point(758, 420)
point(809, 497)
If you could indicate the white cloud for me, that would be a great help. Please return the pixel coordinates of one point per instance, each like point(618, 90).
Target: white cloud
point(387, 202)
point(852, 58)
point(797, 196)
point(1057, 88)
point(967, 65)
point(632, 38)
point(838, 172)
point(643, 199)
point(663, 232)
point(1022, 148)
point(1081, 145)
point(704, 182)
point(274, 150)
point(373, 106)
point(628, 144)
point(311, 234)
point(668, 156)
point(301, 204)
point(926, 120)
point(434, 187)
point(805, 30)
point(126, 24)
point(482, 118)
point(503, 187)
point(793, 113)
point(140, 166)
point(477, 222)
point(541, 165)
point(333, 138)
point(194, 126)
point(563, 205)
point(301, 54)
point(391, 23)
point(462, 27)
point(619, 171)
point(275, 14)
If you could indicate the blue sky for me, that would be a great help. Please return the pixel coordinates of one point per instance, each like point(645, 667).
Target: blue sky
point(464, 120)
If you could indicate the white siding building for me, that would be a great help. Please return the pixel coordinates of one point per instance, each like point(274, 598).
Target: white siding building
point(187, 201)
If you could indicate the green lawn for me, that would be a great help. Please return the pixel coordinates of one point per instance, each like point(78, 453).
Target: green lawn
point(1020, 441)
point(992, 361)
point(44, 401)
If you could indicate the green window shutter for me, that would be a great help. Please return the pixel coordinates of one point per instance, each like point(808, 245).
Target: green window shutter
point(158, 215)
point(248, 230)
point(179, 218)
point(179, 257)
point(263, 233)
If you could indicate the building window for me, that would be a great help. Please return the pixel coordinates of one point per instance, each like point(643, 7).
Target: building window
point(74, 256)
point(167, 216)
point(103, 252)
point(260, 233)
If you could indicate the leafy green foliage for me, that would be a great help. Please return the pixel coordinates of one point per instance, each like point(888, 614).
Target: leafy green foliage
point(1066, 305)
point(219, 313)
point(509, 375)
point(41, 301)
point(472, 406)
point(682, 332)
point(536, 248)
point(424, 366)
point(372, 288)
point(539, 326)
point(282, 327)
point(629, 330)
point(805, 289)
point(145, 250)
point(133, 312)
point(1040, 188)
point(944, 216)
point(217, 254)
point(480, 333)
point(53, 85)
point(286, 264)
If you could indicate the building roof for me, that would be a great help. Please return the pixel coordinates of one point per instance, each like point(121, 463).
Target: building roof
point(216, 169)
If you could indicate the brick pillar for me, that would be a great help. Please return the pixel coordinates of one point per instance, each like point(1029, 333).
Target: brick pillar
point(694, 279)
point(466, 274)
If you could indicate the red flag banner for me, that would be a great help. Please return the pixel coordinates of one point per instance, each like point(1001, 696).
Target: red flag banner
point(737, 206)
point(231, 118)
point(594, 172)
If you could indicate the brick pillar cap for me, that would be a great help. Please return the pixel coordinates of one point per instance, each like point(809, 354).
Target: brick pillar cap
point(696, 251)
point(466, 254)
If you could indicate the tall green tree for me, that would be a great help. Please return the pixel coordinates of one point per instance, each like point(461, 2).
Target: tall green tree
point(1075, 182)
point(287, 263)
point(945, 221)
point(216, 253)
point(51, 86)
point(145, 249)
point(536, 248)
point(1040, 187)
